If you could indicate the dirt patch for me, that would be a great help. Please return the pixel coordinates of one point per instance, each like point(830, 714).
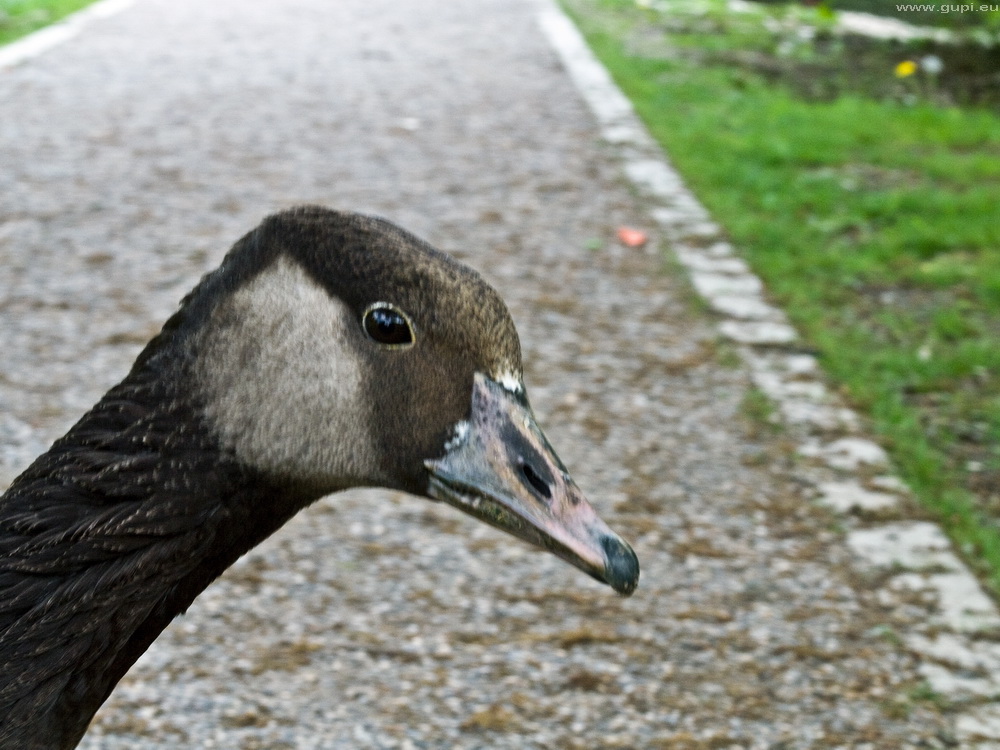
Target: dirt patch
point(969, 72)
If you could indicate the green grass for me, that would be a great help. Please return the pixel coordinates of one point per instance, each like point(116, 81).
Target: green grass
point(20, 17)
point(875, 224)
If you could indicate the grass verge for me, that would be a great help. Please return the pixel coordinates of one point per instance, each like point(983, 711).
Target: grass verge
point(21, 17)
point(874, 222)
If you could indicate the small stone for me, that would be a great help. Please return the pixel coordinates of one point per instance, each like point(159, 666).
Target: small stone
point(847, 496)
point(962, 604)
point(890, 483)
point(745, 308)
point(979, 722)
point(696, 260)
point(911, 544)
point(758, 332)
point(712, 285)
point(654, 176)
point(847, 453)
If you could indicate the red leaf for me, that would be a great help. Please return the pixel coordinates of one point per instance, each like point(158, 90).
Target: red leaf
point(632, 237)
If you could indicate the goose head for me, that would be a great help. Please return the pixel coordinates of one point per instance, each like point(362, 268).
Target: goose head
point(333, 350)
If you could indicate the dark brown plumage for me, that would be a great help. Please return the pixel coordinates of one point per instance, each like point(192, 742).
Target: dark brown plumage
point(265, 391)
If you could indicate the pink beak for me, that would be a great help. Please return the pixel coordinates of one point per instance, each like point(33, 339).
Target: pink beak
point(503, 471)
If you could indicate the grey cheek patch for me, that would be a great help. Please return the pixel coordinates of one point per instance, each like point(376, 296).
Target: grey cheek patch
point(282, 379)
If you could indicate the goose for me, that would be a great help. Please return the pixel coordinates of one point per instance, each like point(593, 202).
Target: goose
point(329, 350)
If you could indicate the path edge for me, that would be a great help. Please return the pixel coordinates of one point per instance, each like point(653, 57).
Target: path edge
point(38, 42)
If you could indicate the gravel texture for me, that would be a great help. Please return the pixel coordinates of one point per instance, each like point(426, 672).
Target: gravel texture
point(130, 160)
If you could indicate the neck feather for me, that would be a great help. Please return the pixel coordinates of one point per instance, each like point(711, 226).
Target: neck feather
point(105, 539)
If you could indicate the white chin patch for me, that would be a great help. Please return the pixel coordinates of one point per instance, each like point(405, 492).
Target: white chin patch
point(510, 382)
point(461, 432)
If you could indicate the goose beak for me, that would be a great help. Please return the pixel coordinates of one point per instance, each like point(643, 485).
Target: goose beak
point(500, 469)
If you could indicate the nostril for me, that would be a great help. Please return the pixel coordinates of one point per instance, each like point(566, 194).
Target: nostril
point(540, 485)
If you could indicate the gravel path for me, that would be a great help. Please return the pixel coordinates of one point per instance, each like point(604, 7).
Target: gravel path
point(133, 156)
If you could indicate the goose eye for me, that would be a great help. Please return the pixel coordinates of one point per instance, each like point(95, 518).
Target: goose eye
point(387, 325)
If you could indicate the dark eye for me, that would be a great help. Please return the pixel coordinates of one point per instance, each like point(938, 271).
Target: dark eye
point(387, 325)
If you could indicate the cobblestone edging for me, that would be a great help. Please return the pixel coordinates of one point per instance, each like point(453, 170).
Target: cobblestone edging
point(849, 472)
point(45, 39)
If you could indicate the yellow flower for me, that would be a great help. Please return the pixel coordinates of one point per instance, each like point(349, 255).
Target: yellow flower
point(906, 68)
